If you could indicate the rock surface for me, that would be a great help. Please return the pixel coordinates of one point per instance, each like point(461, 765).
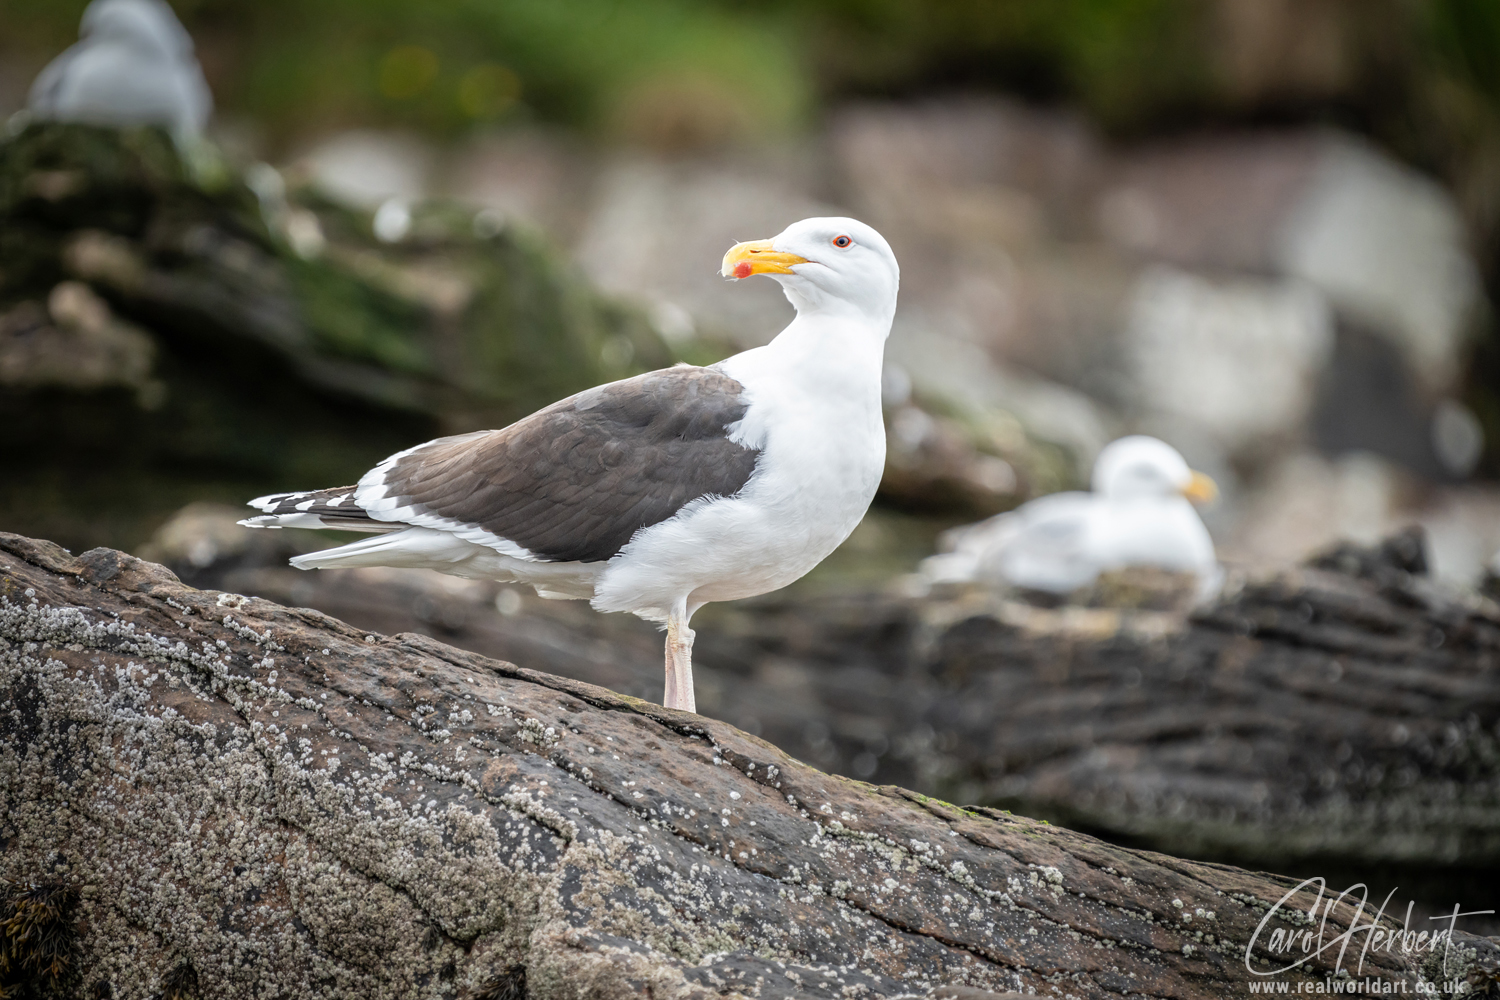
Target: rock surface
point(1348, 709)
point(1344, 709)
point(268, 802)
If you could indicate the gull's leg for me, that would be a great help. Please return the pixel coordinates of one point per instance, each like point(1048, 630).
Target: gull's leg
point(679, 693)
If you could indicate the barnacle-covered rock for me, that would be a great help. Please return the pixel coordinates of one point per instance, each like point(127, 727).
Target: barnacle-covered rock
point(1346, 709)
point(265, 801)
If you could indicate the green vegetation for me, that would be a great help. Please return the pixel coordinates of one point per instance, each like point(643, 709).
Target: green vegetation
point(224, 363)
point(1422, 77)
point(670, 70)
point(448, 64)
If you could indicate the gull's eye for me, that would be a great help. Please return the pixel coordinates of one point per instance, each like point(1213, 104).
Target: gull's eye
point(842, 242)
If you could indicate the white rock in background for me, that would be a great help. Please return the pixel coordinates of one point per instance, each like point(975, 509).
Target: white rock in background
point(970, 168)
point(1307, 502)
point(1236, 360)
point(658, 230)
point(200, 534)
point(1457, 437)
point(1387, 245)
point(133, 65)
point(1384, 243)
point(531, 175)
point(1213, 203)
point(365, 168)
point(1463, 529)
point(941, 364)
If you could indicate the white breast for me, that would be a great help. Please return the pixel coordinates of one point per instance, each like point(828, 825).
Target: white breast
point(1164, 532)
point(817, 423)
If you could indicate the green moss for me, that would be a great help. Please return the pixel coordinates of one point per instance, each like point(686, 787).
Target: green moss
point(926, 799)
point(349, 318)
point(281, 370)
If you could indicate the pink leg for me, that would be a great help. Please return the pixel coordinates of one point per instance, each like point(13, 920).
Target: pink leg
point(679, 692)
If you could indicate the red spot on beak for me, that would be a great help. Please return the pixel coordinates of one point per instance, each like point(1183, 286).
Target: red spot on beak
point(742, 269)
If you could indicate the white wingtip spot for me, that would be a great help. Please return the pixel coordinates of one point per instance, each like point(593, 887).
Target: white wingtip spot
point(270, 500)
point(286, 520)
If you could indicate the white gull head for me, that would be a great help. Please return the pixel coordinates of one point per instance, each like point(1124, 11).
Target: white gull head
point(148, 26)
point(133, 65)
point(1139, 466)
point(825, 265)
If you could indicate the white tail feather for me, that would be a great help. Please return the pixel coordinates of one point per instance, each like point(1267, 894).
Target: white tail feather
point(411, 547)
point(317, 521)
point(428, 548)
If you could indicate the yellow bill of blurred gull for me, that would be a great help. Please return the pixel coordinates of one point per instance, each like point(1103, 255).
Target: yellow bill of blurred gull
point(659, 493)
point(133, 65)
point(1140, 513)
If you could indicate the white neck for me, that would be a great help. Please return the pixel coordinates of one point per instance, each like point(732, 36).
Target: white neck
point(839, 345)
point(810, 301)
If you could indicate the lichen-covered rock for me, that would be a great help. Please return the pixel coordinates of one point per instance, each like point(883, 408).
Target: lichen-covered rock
point(1346, 709)
point(267, 802)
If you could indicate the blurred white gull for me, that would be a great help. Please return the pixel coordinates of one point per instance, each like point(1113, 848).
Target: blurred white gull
point(133, 65)
point(1139, 514)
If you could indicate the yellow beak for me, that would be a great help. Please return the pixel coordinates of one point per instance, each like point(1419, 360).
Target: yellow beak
point(1201, 489)
point(757, 257)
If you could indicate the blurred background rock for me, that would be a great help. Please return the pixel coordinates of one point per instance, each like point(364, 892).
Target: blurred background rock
point(1266, 231)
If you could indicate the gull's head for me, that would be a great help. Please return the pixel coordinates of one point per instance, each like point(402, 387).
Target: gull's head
point(147, 25)
point(825, 263)
point(1141, 466)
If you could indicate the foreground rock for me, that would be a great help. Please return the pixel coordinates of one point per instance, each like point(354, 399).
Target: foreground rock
point(1340, 715)
point(268, 802)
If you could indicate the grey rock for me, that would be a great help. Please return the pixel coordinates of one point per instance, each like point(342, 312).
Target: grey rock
point(266, 801)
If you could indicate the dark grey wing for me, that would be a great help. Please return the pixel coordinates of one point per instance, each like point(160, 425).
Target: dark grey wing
point(575, 481)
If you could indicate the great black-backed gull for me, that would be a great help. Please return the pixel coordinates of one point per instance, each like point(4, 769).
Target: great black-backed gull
point(659, 493)
point(1140, 513)
point(133, 65)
